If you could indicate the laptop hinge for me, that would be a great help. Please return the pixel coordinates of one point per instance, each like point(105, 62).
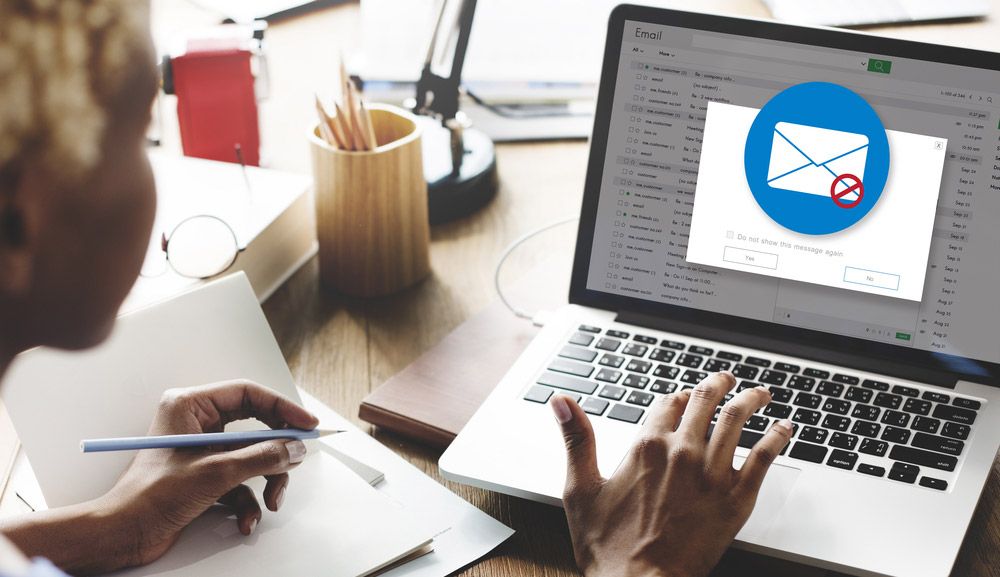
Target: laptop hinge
point(855, 361)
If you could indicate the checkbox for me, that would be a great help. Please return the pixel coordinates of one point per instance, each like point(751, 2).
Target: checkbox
point(730, 234)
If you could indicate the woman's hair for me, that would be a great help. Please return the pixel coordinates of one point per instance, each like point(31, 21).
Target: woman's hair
point(61, 63)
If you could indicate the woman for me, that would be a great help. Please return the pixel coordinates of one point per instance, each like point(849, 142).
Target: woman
point(76, 209)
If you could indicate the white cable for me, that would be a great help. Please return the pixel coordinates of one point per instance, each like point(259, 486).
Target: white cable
point(506, 254)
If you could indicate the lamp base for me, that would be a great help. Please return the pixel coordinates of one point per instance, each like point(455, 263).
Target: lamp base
point(449, 195)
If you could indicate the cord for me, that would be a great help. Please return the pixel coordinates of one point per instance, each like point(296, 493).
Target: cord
point(536, 318)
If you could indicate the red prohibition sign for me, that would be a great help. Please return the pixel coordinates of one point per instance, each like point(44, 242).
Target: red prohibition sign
point(838, 195)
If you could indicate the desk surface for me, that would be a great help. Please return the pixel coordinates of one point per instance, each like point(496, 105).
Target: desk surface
point(340, 349)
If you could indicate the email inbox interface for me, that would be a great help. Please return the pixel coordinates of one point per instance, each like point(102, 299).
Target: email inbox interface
point(788, 183)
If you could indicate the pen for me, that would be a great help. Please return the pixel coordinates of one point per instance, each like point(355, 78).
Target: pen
point(199, 439)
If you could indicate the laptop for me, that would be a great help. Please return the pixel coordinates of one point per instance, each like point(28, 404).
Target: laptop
point(874, 12)
point(816, 211)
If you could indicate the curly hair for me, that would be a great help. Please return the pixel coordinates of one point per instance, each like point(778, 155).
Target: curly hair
point(61, 61)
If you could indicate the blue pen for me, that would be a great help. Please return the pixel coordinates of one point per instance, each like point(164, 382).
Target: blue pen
point(199, 439)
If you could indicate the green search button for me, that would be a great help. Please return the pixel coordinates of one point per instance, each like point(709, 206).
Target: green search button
point(880, 66)
point(903, 336)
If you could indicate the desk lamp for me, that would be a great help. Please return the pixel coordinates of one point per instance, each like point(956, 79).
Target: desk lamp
point(459, 161)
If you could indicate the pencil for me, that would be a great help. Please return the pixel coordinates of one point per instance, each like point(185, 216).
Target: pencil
point(332, 131)
point(355, 112)
point(369, 128)
point(345, 127)
point(199, 439)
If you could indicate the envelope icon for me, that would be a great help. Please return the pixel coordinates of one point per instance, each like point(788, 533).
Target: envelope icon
point(808, 159)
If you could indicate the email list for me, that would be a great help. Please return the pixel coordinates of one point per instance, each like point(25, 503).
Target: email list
point(882, 251)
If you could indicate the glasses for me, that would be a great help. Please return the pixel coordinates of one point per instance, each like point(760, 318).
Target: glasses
point(199, 247)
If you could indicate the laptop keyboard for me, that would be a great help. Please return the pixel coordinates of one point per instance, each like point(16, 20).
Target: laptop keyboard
point(874, 427)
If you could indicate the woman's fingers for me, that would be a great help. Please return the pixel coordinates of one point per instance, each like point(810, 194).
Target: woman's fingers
point(665, 414)
point(221, 403)
point(269, 458)
point(244, 504)
point(762, 455)
point(705, 398)
point(274, 491)
point(582, 474)
point(729, 426)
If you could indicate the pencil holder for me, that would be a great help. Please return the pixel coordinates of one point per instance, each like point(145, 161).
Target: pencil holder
point(371, 209)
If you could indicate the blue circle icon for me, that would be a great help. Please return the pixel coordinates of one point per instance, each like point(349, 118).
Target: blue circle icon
point(816, 158)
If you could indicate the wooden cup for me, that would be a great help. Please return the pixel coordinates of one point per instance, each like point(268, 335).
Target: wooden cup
point(371, 209)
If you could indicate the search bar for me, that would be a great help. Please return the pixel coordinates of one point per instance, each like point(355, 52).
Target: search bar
point(801, 55)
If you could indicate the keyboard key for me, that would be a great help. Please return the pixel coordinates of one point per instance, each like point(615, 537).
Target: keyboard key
point(725, 399)
point(582, 339)
point(808, 452)
point(625, 413)
point(672, 345)
point(866, 412)
point(895, 418)
point(641, 399)
point(608, 375)
point(701, 350)
point(571, 368)
point(816, 373)
point(567, 383)
point(644, 339)
point(967, 403)
point(859, 395)
point(871, 470)
point(745, 372)
point(806, 416)
point(693, 377)
point(807, 400)
point(726, 355)
point(956, 414)
point(830, 389)
point(955, 431)
point(715, 365)
point(773, 377)
point(813, 435)
point(757, 362)
point(637, 366)
point(777, 410)
point(935, 397)
point(888, 400)
point(744, 385)
point(932, 483)
point(781, 395)
point(917, 406)
point(610, 392)
point(757, 422)
point(894, 435)
point(905, 391)
point(608, 344)
point(846, 379)
point(939, 444)
point(801, 383)
point(786, 367)
point(635, 350)
point(836, 406)
point(875, 385)
point(617, 334)
point(749, 438)
point(842, 459)
point(866, 429)
point(666, 372)
point(905, 473)
point(688, 360)
point(835, 423)
point(594, 406)
point(577, 353)
point(843, 441)
point(590, 329)
point(662, 355)
point(611, 361)
point(873, 447)
point(663, 387)
point(538, 394)
point(923, 458)
point(636, 381)
point(925, 425)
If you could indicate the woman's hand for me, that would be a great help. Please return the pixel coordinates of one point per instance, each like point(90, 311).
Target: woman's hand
point(164, 490)
point(676, 502)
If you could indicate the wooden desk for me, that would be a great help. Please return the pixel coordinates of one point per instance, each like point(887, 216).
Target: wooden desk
point(340, 349)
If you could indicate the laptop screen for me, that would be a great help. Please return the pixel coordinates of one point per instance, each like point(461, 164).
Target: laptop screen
point(850, 193)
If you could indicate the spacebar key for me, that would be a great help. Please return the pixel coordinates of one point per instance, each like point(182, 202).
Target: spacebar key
point(567, 383)
point(921, 457)
point(808, 452)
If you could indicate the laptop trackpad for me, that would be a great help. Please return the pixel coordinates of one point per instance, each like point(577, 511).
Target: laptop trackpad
point(774, 491)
